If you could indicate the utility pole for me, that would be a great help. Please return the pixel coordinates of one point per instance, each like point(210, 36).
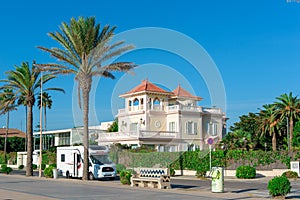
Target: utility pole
point(287, 134)
point(41, 128)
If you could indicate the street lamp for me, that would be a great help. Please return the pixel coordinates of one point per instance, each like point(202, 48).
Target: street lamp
point(287, 134)
point(41, 126)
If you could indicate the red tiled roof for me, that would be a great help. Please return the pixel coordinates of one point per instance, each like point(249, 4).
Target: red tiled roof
point(180, 92)
point(12, 132)
point(147, 86)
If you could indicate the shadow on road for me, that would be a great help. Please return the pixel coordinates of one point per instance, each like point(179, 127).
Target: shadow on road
point(244, 190)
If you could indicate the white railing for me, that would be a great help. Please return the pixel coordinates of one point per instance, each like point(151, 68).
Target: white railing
point(213, 110)
point(118, 136)
point(158, 134)
point(185, 108)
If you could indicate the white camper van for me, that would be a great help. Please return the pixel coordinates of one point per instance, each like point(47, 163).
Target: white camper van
point(70, 162)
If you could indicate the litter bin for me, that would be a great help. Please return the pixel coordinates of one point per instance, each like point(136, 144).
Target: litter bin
point(55, 174)
point(217, 179)
point(295, 167)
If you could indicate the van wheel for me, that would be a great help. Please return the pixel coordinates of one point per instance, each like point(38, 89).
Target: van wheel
point(91, 176)
point(67, 174)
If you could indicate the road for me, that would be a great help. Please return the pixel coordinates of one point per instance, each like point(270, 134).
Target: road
point(21, 187)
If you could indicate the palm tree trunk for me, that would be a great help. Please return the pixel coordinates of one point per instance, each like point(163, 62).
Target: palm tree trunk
point(85, 98)
point(29, 170)
point(6, 135)
point(274, 141)
point(45, 120)
point(291, 133)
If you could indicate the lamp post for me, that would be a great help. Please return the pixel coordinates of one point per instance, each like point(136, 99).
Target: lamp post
point(41, 127)
point(287, 134)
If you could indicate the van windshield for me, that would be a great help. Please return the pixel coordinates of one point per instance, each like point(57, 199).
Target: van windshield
point(100, 159)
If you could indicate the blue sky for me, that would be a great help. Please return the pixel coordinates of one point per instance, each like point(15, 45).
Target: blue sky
point(254, 44)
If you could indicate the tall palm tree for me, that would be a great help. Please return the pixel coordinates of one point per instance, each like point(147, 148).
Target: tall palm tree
point(269, 122)
point(7, 104)
point(46, 103)
point(288, 107)
point(25, 81)
point(84, 50)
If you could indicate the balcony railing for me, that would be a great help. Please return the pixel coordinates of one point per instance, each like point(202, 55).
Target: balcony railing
point(133, 135)
point(213, 110)
point(163, 108)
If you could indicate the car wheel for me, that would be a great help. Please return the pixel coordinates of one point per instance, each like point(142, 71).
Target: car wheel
point(67, 174)
point(91, 176)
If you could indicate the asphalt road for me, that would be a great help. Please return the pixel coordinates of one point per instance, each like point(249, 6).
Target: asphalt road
point(17, 186)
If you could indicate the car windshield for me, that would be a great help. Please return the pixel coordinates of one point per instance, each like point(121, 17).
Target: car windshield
point(100, 159)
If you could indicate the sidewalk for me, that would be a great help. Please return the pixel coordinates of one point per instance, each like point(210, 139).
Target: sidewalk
point(203, 192)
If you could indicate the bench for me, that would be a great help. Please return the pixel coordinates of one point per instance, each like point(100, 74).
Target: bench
point(152, 178)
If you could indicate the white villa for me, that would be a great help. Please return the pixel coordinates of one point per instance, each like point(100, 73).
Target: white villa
point(164, 120)
point(167, 121)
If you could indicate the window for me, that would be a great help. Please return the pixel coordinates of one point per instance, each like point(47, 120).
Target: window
point(156, 101)
point(191, 128)
point(133, 126)
point(172, 126)
point(135, 102)
point(64, 139)
point(212, 129)
point(62, 157)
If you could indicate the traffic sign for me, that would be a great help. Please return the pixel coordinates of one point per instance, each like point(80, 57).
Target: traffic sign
point(210, 141)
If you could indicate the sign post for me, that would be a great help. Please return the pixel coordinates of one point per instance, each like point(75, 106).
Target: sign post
point(210, 141)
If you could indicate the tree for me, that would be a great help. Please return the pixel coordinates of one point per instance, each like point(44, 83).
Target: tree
point(269, 123)
point(25, 81)
point(239, 139)
point(7, 104)
point(84, 51)
point(114, 126)
point(46, 103)
point(296, 136)
point(288, 107)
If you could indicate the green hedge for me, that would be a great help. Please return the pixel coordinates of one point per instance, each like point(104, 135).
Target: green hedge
point(279, 186)
point(48, 172)
point(199, 161)
point(246, 172)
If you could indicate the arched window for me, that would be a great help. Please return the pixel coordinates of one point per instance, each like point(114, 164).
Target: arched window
point(156, 101)
point(135, 102)
point(141, 103)
point(156, 104)
point(129, 105)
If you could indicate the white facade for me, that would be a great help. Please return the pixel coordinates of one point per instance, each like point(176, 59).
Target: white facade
point(169, 121)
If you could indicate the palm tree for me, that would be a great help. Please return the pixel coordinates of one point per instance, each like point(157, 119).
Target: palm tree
point(25, 81)
point(84, 50)
point(7, 104)
point(288, 107)
point(269, 122)
point(47, 103)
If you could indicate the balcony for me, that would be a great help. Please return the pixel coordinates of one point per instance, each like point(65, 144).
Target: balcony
point(161, 108)
point(136, 135)
point(213, 110)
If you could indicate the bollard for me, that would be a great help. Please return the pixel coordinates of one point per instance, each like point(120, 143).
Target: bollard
point(217, 179)
point(55, 174)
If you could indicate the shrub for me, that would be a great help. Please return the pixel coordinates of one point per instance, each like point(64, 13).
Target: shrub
point(125, 176)
point(53, 165)
point(246, 172)
point(43, 166)
point(172, 172)
point(290, 174)
point(21, 167)
point(279, 186)
point(201, 171)
point(119, 168)
point(34, 166)
point(5, 169)
point(48, 172)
